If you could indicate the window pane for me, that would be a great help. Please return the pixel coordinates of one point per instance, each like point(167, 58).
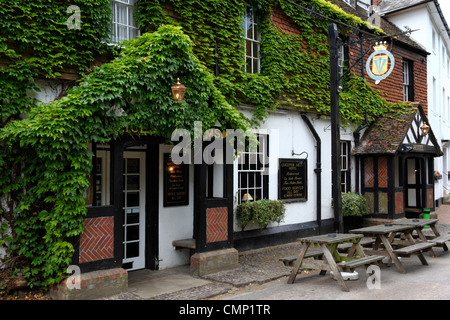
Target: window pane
point(132, 233)
point(133, 182)
point(132, 199)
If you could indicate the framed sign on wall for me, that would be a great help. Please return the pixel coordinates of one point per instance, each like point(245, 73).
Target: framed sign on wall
point(292, 180)
point(176, 183)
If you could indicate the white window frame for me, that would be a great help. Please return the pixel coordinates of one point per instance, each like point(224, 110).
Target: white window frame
point(406, 77)
point(252, 163)
point(252, 39)
point(345, 166)
point(130, 25)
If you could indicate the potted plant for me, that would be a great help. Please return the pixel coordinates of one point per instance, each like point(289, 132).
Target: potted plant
point(437, 175)
point(261, 212)
point(354, 208)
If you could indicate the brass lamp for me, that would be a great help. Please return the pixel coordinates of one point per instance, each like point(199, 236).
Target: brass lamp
point(178, 91)
point(247, 197)
point(425, 129)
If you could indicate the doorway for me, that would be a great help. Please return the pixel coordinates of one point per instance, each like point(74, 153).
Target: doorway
point(415, 176)
point(134, 200)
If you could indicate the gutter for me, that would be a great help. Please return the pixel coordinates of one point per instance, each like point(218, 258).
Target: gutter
point(317, 170)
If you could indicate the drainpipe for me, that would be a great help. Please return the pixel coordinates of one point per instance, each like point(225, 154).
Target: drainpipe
point(356, 136)
point(318, 169)
point(357, 133)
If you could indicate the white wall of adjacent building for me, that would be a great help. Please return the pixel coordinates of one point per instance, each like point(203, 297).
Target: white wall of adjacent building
point(429, 31)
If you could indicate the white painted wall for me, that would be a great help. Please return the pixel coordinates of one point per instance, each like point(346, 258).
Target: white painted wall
point(294, 136)
point(175, 223)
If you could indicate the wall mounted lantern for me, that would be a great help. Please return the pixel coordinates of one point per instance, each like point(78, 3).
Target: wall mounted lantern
point(425, 129)
point(178, 91)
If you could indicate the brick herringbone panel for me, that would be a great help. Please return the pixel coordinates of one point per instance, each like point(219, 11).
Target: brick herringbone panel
point(399, 202)
point(382, 172)
point(368, 174)
point(430, 201)
point(97, 241)
point(216, 224)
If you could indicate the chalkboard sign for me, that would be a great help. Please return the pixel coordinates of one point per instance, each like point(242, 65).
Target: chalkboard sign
point(292, 180)
point(176, 183)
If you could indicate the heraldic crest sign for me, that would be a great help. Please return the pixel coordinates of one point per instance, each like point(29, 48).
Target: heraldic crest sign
point(380, 63)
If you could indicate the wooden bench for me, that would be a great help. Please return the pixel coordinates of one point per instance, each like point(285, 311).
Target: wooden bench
point(350, 266)
point(440, 241)
point(184, 244)
point(289, 261)
point(343, 247)
point(418, 247)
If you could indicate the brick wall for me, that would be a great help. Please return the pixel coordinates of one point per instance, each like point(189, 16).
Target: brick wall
point(216, 224)
point(392, 86)
point(97, 240)
point(284, 23)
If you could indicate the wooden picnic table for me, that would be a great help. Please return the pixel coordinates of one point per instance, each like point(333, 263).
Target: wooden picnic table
point(385, 234)
point(329, 255)
point(418, 225)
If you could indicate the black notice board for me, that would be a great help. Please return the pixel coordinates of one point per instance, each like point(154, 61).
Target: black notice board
point(176, 183)
point(292, 179)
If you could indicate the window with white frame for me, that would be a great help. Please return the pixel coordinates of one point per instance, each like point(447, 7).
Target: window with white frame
point(345, 166)
point(448, 109)
point(124, 26)
point(448, 67)
point(433, 40)
point(252, 40)
point(253, 184)
point(408, 82)
point(341, 64)
point(351, 3)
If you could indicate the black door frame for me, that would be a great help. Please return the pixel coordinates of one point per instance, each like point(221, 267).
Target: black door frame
point(152, 196)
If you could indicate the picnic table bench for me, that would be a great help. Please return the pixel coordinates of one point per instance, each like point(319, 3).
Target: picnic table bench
point(418, 225)
point(330, 257)
point(385, 234)
point(441, 240)
point(289, 261)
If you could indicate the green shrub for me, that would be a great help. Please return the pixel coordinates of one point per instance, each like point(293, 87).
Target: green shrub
point(261, 212)
point(354, 205)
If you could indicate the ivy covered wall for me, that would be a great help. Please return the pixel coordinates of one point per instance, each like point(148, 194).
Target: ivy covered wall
point(294, 66)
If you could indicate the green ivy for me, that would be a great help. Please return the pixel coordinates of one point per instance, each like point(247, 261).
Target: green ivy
point(57, 168)
point(295, 68)
point(44, 160)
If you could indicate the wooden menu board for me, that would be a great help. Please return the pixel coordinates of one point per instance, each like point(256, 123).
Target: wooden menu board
point(176, 183)
point(292, 179)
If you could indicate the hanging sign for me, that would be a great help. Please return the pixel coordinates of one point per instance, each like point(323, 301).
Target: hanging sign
point(380, 63)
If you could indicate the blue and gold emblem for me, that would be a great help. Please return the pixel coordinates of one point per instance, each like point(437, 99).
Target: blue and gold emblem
point(380, 63)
